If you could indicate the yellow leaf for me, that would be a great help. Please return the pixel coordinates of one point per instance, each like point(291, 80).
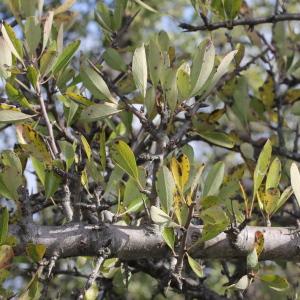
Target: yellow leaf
point(33, 144)
point(267, 92)
point(181, 170)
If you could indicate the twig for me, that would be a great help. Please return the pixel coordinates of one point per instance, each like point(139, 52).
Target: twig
point(66, 202)
point(48, 124)
point(241, 22)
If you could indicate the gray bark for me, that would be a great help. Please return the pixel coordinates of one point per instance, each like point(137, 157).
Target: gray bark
point(132, 243)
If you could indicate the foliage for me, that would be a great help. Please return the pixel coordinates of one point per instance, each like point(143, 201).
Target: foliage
point(118, 139)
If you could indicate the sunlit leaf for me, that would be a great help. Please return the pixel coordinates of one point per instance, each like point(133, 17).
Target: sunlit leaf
point(98, 112)
point(195, 266)
point(123, 156)
point(214, 180)
point(5, 58)
point(146, 6)
point(165, 187)
point(262, 166)
point(139, 69)
point(295, 181)
point(161, 218)
point(47, 28)
point(12, 116)
point(169, 237)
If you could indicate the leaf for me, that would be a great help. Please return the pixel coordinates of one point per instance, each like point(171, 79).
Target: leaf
point(214, 180)
point(47, 28)
point(243, 283)
point(98, 112)
point(39, 169)
point(203, 63)
point(161, 218)
point(146, 6)
point(286, 194)
point(271, 198)
point(5, 59)
point(183, 80)
point(35, 251)
point(221, 71)
point(252, 260)
point(65, 57)
point(86, 147)
point(123, 156)
point(52, 182)
point(6, 255)
point(12, 116)
point(165, 187)
point(33, 76)
point(32, 33)
point(163, 40)
point(33, 144)
point(274, 174)
point(295, 181)
point(181, 171)
point(139, 69)
point(47, 61)
point(170, 88)
point(196, 179)
point(150, 102)
point(11, 186)
point(232, 8)
point(10, 43)
point(275, 282)
point(169, 237)
point(262, 166)
point(259, 242)
point(155, 61)
point(95, 83)
point(267, 92)
point(218, 138)
point(114, 59)
point(4, 216)
point(195, 266)
point(68, 151)
point(64, 7)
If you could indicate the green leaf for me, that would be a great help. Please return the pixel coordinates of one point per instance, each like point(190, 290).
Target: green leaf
point(275, 282)
point(114, 59)
point(203, 63)
point(195, 266)
point(65, 57)
point(169, 237)
point(215, 221)
point(221, 71)
point(47, 61)
point(11, 41)
point(214, 180)
point(295, 181)
point(252, 260)
point(218, 138)
point(120, 6)
point(262, 166)
point(5, 58)
point(47, 28)
point(52, 182)
point(170, 89)
point(161, 218)
point(146, 6)
point(33, 76)
point(123, 156)
point(150, 102)
point(4, 216)
point(163, 41)
point(102, 151)
point(286, 194)
point(10, 187)
point(35, 251)
point(274, 174)
point(95, 83)
point(98, 112)
point(139, 69)
point(232, 8)
point(183, 80)
point(12, 116)
point(39, 169)
point(165, 187)
point(32, 33)
point(155, 61)
point(86, 147)
point(68, 151)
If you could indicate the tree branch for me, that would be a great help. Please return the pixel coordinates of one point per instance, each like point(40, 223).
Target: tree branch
point(133, 243)
point(241, 22)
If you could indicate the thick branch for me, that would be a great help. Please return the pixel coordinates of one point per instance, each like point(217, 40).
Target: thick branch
point(132, 243)
point(240, 22)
